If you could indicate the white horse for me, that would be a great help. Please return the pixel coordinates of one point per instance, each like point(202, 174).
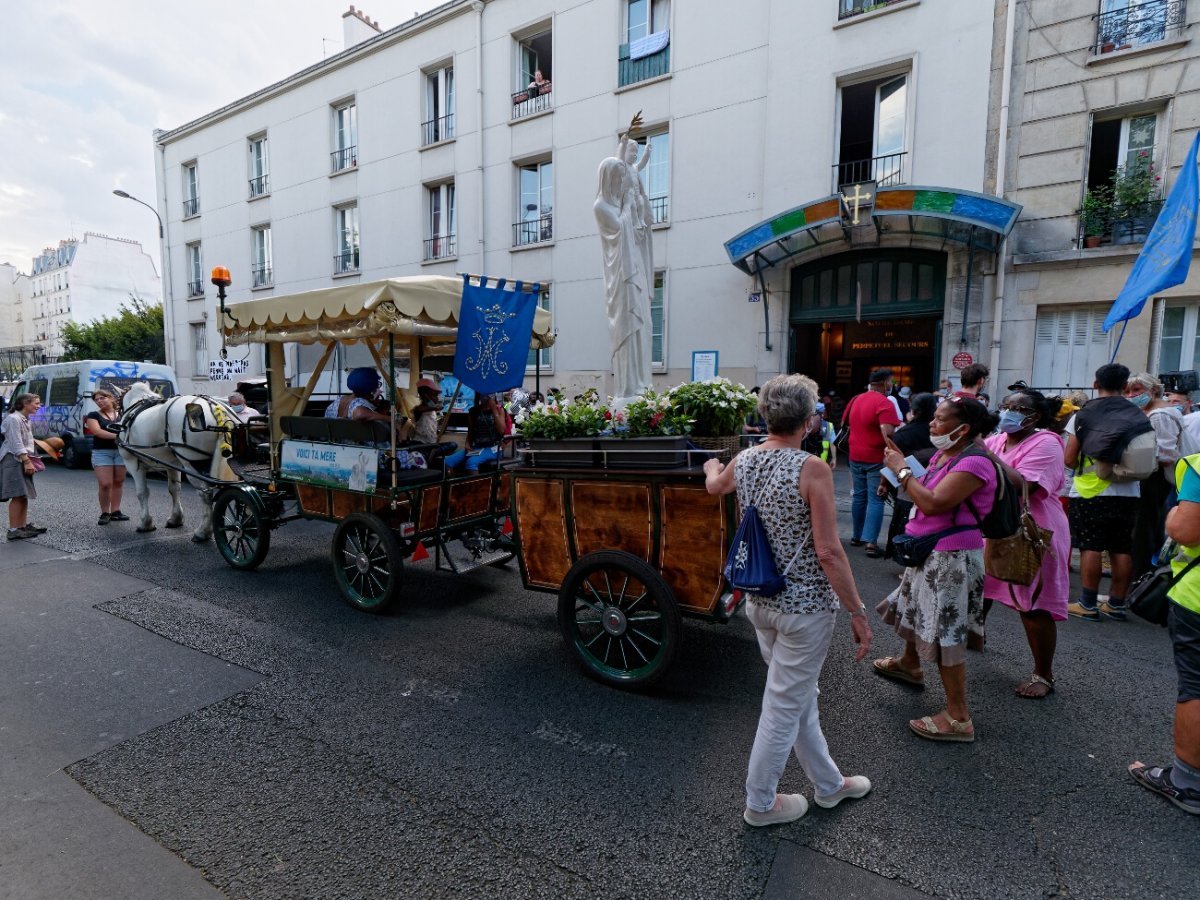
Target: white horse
point(156, 436)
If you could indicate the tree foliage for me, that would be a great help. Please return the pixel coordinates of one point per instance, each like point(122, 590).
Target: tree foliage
point(135, 333)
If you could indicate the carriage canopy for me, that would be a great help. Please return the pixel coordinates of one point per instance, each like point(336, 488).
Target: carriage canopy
point(423, 306)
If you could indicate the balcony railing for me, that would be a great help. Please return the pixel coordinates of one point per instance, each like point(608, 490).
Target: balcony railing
point(1120, 224)
point(343, 159)
point(631, 71)
point(191, 207)
point(532, 100)
point(660, 210)
point(440, 129)
point(346, 261)
point(260, 186)
point(533, 231)
point(883, 170)
point(1140, 23)
point(441, 247)
point(849, 8)
point(195, 289)
point(261, 273)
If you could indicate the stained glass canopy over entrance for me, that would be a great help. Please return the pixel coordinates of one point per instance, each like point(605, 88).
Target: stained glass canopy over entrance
point(930, 213)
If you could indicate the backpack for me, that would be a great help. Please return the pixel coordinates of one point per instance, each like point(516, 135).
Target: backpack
point(750, 565)
point(1004, 518)
point(1118, 438)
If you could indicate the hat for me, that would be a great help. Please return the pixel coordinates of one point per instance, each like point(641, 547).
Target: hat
point(1018, 385)
point(906, 392)
point(364, 380)
point(51, 446)
point(428, 383)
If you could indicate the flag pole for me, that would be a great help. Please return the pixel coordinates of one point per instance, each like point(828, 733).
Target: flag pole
point(1124, 322)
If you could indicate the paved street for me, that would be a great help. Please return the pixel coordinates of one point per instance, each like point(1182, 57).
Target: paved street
point(454, 749)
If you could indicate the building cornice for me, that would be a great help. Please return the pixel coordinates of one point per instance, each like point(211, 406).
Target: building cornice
point(415, 25)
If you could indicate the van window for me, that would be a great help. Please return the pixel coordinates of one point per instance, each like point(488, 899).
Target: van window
point(160, 386)
point(64, 391)
point(38, 386)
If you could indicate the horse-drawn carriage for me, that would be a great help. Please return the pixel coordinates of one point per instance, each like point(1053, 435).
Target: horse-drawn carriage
point(627, 551)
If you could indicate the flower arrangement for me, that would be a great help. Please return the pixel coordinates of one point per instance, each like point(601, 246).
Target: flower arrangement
point(582, 417)
point(717, 407)
point(1136, 184)
point(651, 414)
point(1096, 211)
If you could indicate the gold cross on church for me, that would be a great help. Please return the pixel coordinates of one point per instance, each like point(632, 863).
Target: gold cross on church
point(856, 198)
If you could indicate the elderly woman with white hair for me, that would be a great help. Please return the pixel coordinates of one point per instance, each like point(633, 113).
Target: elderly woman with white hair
point(1157, 491)
point(793, 491)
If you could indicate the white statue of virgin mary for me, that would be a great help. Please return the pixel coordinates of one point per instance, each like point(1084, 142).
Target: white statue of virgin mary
point(622, 213)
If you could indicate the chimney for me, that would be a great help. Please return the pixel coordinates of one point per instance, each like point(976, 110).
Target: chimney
point(357, 27)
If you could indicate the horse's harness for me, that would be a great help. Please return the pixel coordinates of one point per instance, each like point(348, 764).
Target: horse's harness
point(183, 450)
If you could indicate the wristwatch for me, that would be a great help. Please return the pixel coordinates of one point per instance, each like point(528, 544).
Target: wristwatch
point(906, 472)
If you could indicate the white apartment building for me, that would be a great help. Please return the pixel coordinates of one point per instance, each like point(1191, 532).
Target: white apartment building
point(13, 286)
point(424, 149)
point(1099, 87)
point(84, 280)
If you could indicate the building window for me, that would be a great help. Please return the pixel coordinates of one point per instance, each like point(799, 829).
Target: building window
point(1123, 24)
point(646, 51)
point(191, 191)
point(1175, 335)
point(545, 355)
point(199, 349)
point(345, 137)
point(262, 272)
point(439, 106)
point(850, 8)
point(1069, 346)
point(195, 271)
point(656, 175)
point(346, 260)
point(535, 213)
point(873, 130)
point(658, 322)
point(259, 181)
point(535, 64)
point(441, 222)
point(1124, 192)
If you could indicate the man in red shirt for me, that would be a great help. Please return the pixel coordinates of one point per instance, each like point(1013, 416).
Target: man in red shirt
point(872, 418)
point(974, 379)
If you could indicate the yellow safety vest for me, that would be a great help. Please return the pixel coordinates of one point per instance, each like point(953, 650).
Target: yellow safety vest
point(1087, 483)
point(1187, 590)
point(827, 436)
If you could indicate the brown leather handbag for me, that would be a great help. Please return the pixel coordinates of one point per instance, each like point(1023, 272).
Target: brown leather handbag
point(1017, 559)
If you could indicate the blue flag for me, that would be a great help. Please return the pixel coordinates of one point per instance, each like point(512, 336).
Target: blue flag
point(1167, 255)
point(494, 329)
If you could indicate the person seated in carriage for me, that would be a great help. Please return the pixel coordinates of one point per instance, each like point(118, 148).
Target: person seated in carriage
point(362, 405)
point(427, 419)
point(488, 427)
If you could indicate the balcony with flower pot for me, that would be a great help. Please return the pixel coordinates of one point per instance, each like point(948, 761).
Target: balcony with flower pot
point(1124, 210)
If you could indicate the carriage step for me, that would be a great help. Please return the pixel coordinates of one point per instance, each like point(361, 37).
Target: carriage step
point(485, 560)
point(460, 559)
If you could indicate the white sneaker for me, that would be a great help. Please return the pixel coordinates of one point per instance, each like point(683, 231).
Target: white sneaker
point(854, 786)
point(788, 808)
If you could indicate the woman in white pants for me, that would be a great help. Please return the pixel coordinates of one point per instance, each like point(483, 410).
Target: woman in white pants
point(793, 491)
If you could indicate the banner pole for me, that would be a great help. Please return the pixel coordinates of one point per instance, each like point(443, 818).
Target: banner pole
point(1124, 322)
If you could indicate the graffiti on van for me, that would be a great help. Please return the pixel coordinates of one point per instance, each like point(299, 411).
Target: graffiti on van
point(127, 370)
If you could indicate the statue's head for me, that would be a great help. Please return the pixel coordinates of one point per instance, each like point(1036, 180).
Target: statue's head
point(609, 178)
point(631, 152)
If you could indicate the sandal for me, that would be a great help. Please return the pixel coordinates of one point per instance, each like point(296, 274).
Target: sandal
point(960, 732)
point(873, 551)
point(889, 667)
point(1029, 682)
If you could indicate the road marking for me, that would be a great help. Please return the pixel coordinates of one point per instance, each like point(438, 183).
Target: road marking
point(565, 737)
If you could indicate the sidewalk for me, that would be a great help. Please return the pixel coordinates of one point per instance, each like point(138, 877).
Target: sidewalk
point(77, 681)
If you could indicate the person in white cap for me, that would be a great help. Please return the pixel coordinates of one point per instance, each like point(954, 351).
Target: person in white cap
point(427, 416)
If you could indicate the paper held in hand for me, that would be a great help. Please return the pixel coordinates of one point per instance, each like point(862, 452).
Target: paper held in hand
point(911, 461)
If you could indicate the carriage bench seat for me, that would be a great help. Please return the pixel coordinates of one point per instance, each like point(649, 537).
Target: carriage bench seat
point(333, 431)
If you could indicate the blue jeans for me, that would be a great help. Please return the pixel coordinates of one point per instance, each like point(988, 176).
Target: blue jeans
point(866, 506)
point(474, 459)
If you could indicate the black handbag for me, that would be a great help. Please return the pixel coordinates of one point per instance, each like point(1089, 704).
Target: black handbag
point(1148, 597)
point(912, 551)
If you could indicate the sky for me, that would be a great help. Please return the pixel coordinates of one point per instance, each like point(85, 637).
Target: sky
point(84, 83)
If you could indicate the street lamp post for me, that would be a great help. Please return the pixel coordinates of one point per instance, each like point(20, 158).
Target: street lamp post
point(167, 294)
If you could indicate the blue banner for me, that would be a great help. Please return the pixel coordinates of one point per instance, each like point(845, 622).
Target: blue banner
point(494, 329)
point(1167, 255)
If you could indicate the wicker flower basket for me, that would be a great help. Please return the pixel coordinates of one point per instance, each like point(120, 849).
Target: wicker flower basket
point(725, 446)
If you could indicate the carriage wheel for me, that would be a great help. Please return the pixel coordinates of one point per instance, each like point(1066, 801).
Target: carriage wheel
point(368, 562)
point(240, 529)
point(619, 619)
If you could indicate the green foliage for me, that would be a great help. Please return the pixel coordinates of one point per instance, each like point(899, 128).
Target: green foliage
point(1096, 211)
point(580, 418)
point(135, 333)
point(651, 415)
point(1136, 184)
point(717, 407)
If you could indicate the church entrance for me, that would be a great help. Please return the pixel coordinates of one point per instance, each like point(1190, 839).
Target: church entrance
point(865, 310)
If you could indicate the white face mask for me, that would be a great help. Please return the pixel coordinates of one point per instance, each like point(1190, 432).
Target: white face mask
point(945, 441)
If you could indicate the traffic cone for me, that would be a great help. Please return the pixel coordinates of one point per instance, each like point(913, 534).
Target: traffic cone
point(508, 526)
point(420, 553)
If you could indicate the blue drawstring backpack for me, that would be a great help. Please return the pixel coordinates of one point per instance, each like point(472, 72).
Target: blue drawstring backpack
point(750, 565)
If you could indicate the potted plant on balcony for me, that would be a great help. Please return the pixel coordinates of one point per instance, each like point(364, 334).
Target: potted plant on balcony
point(1094, 215)
point(567, 430)
point(1136, 201)
point(718, 410)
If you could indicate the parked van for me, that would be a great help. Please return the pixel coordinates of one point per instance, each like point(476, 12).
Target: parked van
point(66, 392)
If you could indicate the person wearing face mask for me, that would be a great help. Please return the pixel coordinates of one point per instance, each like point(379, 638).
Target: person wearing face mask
point(1031, 454)
point(939, 602)
point(237, 403)
point(1146, 392)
